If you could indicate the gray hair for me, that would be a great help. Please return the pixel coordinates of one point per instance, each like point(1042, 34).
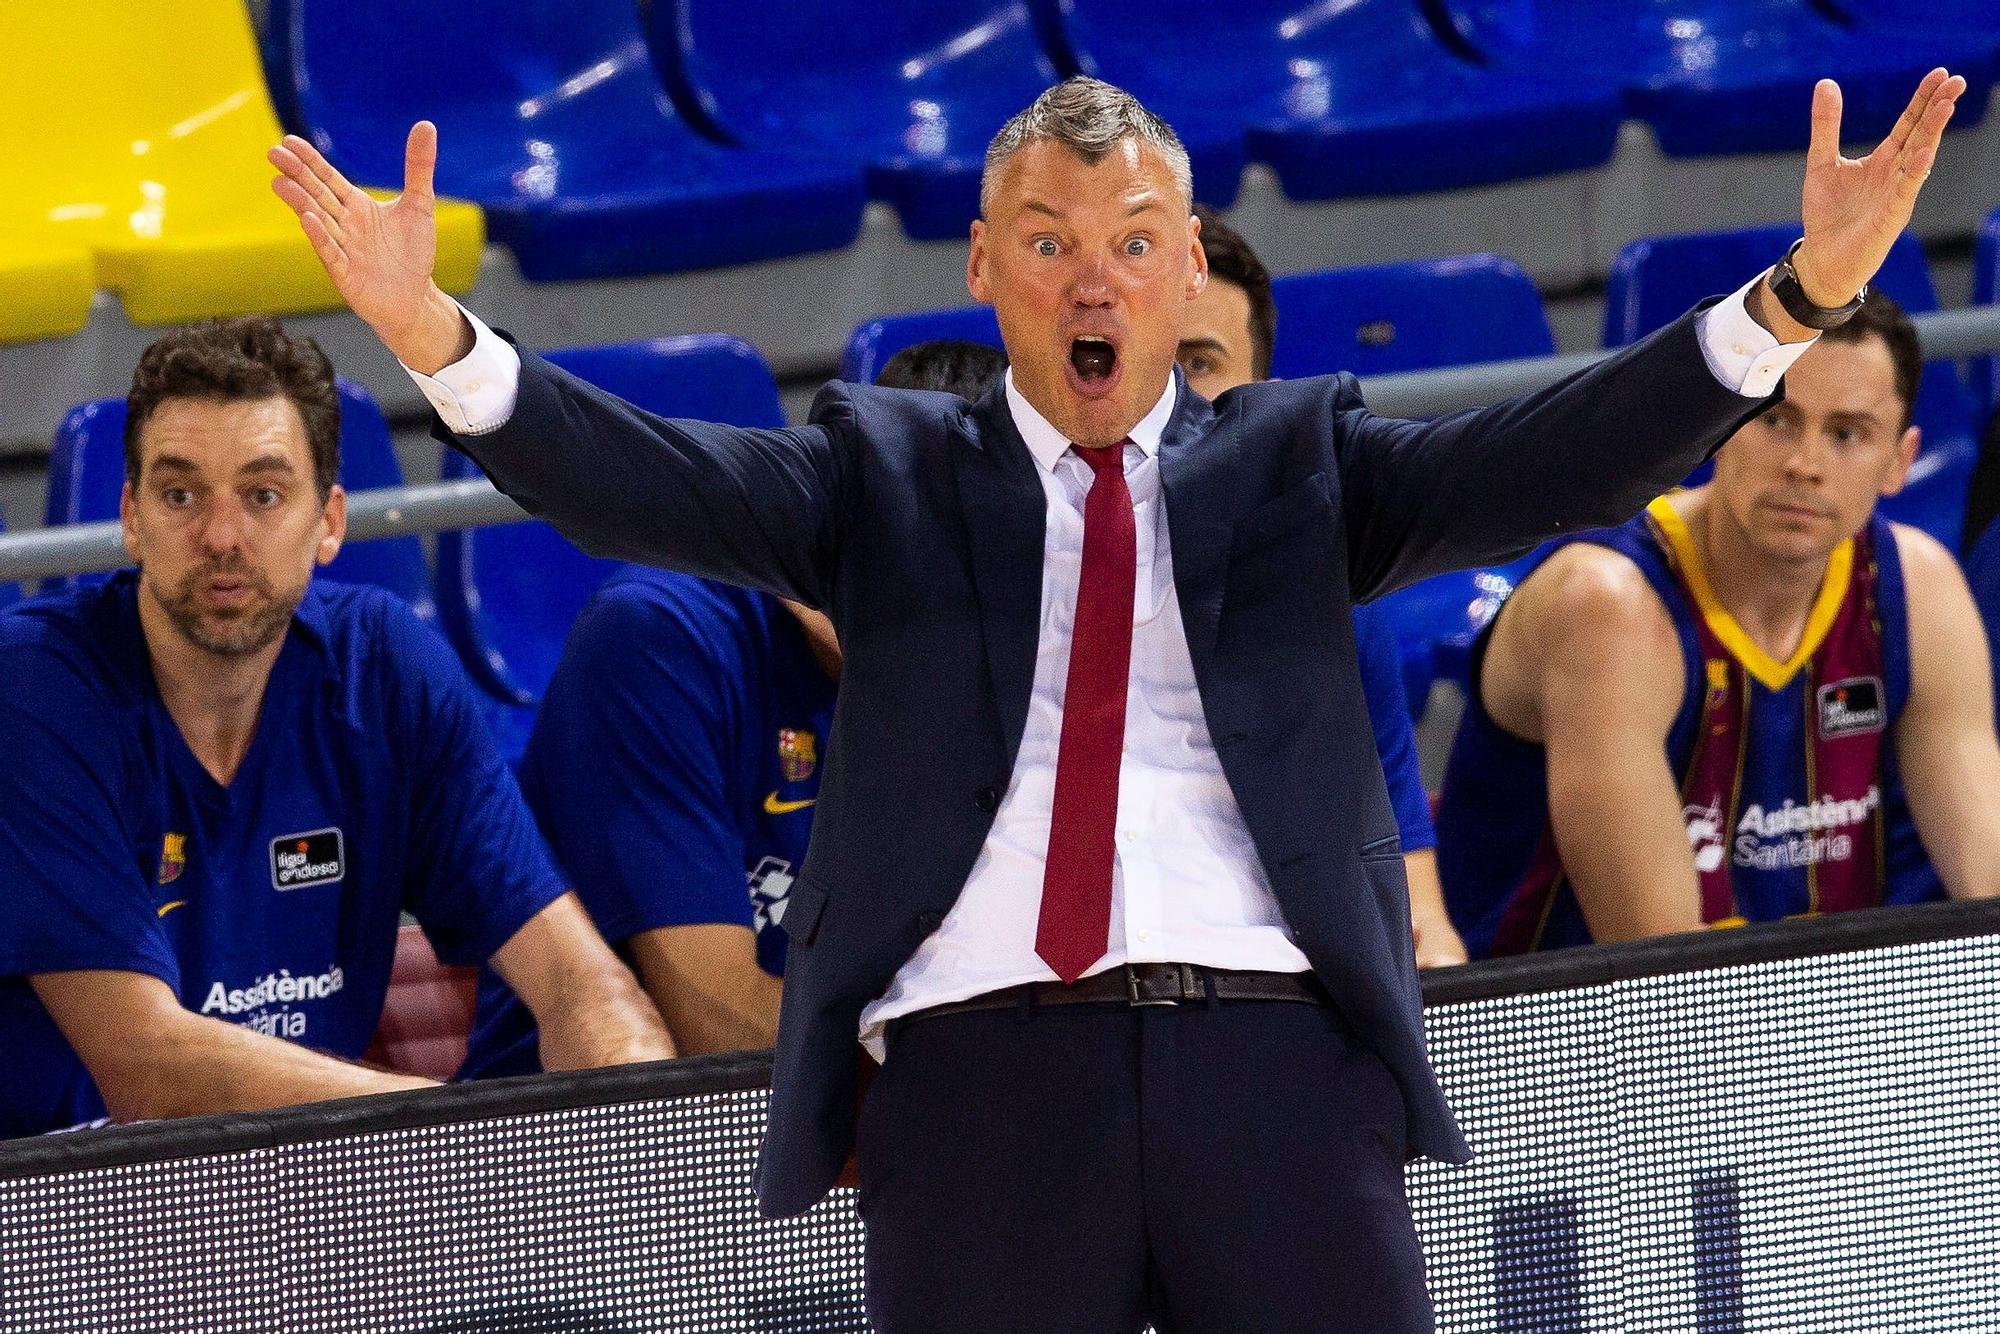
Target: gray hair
point(1091, 117)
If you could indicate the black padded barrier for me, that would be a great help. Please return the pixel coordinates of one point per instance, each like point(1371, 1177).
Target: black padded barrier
point(1792, 1127)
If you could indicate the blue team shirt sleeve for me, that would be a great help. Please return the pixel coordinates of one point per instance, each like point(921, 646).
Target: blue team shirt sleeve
point(1982, 573)
point(1395, 733)
point(477, 867)
point(632, 768)
point(73, 892)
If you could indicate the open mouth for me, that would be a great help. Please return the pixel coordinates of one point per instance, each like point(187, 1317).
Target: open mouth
point(1093, 362)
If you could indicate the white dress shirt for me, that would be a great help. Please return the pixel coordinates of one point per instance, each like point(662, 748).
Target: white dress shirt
point(1187, 886)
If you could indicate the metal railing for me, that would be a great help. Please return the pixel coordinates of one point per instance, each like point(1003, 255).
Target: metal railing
point(411, 510)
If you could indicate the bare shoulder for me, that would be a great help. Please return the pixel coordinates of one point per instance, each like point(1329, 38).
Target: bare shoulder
point(1934, 586)
point(1584, 630)
point(1586, 595)
point(1947, 639)
point(1924, 559)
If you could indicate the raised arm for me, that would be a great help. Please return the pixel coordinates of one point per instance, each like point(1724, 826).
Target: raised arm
point(1587, 663)
point(380, 255)
point(1476, 487)
point(1948, 754)
point(151, 1058)
point(749, 507)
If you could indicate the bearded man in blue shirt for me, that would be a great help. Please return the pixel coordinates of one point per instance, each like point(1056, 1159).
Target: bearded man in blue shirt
point(221, 784)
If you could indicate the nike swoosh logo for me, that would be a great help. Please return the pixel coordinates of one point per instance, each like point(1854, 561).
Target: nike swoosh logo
point(772, 806)
point(177, 903)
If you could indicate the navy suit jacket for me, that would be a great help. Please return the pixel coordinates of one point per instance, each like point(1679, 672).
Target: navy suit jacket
point(916, 520)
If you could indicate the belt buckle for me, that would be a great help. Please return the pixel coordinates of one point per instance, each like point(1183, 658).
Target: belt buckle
point(1133, 997)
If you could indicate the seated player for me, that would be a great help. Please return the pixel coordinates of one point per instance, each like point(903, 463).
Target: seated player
point(673, 766)
point(222, 783)
point(1226, 340)
point(1713, 713)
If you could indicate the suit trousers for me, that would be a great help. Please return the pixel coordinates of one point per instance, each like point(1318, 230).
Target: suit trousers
point(1217, 1167)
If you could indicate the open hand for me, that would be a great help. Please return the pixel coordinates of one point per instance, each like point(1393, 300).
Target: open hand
point(380, 254)
point(1854, 210)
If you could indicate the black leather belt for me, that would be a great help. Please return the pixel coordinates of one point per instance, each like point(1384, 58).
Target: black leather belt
point(1142, 984)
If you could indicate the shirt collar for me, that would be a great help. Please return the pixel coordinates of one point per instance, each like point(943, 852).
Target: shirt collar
point(310, 616)
point(1048, 445)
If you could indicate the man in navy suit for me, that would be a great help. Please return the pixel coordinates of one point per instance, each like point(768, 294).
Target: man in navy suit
point(1103, 862)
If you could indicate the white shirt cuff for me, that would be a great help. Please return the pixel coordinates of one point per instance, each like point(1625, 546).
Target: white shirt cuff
point(1741, 353)
point(476, 393)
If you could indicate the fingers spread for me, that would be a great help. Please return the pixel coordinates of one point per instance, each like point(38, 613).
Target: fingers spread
point(337, 188)
point(1922, 147)
point(293, 194)
point(324, 244)
point(1824, 148)
point(1913, 114)
point(301, 176)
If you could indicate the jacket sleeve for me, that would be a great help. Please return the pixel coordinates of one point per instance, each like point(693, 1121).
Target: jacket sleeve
point(756, 508)
point(1480, 487)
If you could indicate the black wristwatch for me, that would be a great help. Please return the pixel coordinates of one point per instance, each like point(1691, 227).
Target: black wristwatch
point(1784, 284)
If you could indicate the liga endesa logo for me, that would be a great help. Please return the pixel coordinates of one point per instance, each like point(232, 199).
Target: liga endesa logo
point(1850, 706)
point(312, 858)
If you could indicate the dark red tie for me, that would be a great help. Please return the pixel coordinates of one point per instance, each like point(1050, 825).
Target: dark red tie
point(1075, 925)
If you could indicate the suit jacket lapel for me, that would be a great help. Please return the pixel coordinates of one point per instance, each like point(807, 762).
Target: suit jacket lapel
point(1199, 538)
point(1006, 515)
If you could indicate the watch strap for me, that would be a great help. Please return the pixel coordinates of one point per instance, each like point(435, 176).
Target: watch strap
point(1784, 284)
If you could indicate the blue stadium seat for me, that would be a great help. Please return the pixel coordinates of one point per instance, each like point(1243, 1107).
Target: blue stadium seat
point(1715, 77)
point(87, 474)
point(506, 595)
point(1986, 292)
point(871, 345)
point(907, 91)
point(1360, 98)
point(1654, 281)
point(1975, 19)
point(1387, 318)
point(551, 117)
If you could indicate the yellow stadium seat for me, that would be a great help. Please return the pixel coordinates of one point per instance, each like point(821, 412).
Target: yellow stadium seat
point(45, 285)
point(136, 130)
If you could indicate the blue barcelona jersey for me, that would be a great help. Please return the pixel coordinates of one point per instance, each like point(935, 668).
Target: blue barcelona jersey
point(370, 788)
point(1754, 748)
point(674, 766)
point(1381, 666)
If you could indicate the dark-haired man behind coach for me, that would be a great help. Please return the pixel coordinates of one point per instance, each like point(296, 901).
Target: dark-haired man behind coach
point(1227, 337)
point(221, 784)
point(946, 365)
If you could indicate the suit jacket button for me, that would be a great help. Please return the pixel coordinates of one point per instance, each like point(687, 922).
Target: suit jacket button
point(930, 921)
point(988, 799)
